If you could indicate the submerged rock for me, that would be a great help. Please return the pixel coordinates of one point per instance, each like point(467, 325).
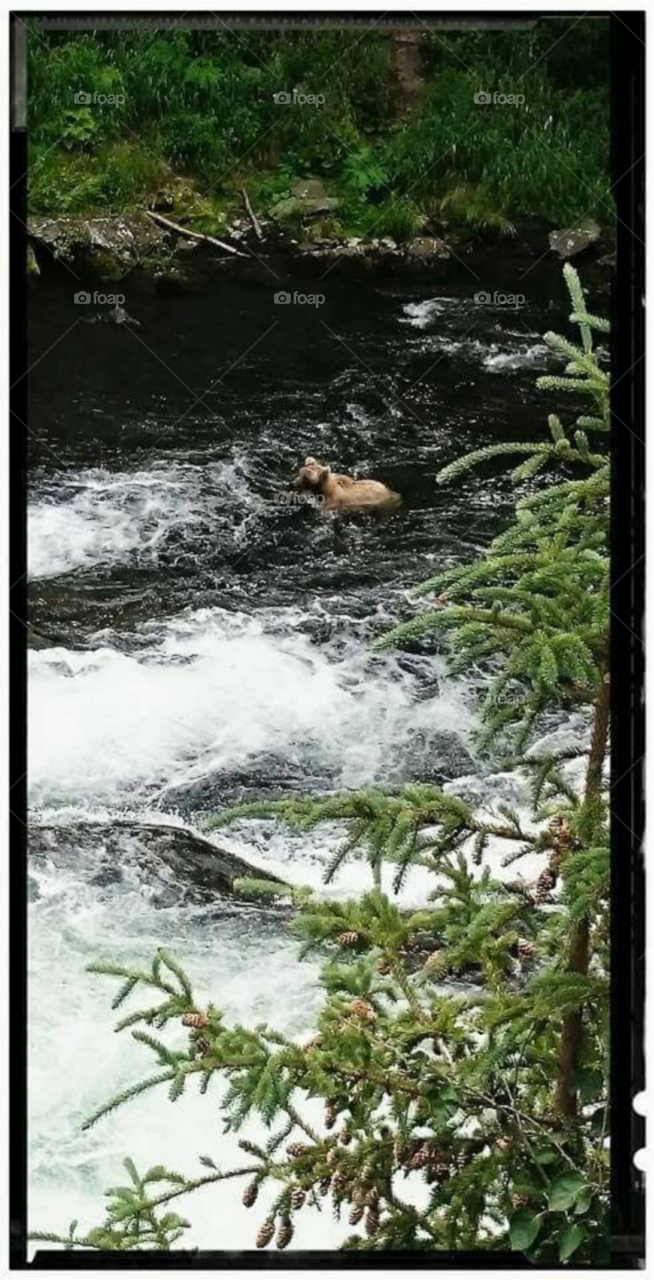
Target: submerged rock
point(114, 316)
point(569, 244)
point(174, 864)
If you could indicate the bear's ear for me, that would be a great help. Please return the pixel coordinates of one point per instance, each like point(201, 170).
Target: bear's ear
point(310, 462)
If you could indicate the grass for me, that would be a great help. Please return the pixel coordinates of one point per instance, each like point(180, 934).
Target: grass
point(196, 110)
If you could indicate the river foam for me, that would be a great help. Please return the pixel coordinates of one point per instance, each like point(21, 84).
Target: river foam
point(215, 691)
point(97, 517)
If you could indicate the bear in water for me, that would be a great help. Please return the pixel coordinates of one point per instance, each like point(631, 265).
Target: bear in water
point(337, 492)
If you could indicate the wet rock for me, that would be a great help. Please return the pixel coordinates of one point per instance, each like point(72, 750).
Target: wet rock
point(609, 261)
point(103, 246)
point(114, 316)
point(266, 774)
point(430, 757)
point(427, 249)
point(570, 244)
point(176, 865)
point(570, 737)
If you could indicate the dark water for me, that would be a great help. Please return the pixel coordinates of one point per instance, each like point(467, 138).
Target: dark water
point(357, 382)
point(205, 640)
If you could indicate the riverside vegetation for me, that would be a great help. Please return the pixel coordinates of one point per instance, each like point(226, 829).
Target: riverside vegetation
point(474, 1117)
point(194, 112)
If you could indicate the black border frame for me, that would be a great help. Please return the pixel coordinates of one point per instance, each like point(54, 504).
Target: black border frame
point(628, 729)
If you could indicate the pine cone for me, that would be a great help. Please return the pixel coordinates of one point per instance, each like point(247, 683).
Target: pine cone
point(519, 1200)
point(356, 1215)
point(203, 1047)
point(331, 1113)
point(339, 1184)
point(361, 1009)
point(420, 1158)
point(298, 1197)
point(544, 884)
point(284, 1235)
point(250, 1194)
point(383, 967)
point(331, 1157)
point(265, 1233)
point(372, 1222)
point(196, 1020)
point(325, 1184)
point(525, 948)
point(345, 1136)
point(297, 1149)
point(348, 939)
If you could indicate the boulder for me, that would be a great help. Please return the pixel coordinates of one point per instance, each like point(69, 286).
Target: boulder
point(308, 199)
point(427, 249)
point(177, 865)
point(572, 243)
point(105, 246)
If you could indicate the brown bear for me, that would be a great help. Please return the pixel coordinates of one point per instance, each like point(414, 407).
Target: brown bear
point(337, 492)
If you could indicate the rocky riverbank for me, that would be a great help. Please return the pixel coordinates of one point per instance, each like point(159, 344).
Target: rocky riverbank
point(299, 228)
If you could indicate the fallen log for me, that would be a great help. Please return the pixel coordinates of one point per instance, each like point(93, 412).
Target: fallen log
point(192, 235)
point(252, 216)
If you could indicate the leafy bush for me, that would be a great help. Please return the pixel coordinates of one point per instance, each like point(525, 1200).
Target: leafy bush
point(203, 104)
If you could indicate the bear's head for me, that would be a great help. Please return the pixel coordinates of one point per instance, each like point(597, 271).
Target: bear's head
point(311, 477)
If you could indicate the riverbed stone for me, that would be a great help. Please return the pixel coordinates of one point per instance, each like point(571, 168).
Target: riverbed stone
point(571, 243)
point(176, 864)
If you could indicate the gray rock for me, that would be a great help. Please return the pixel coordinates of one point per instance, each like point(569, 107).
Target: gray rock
point(178, 865)
point(426, 248)
point(571, 243)
point(105, 245)
point(114, 316)
point(308, 199)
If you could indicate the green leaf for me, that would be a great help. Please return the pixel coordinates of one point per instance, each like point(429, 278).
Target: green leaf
point(572, 1237)
point(545, 1156)
point(564, 1191)
point(523, 1229)
point(584, 1201)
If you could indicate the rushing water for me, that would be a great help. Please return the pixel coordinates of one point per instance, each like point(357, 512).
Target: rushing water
point(206, 641)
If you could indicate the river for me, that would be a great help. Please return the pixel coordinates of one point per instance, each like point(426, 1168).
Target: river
point(206, 641)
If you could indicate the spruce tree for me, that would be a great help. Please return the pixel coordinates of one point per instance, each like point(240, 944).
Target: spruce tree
point(462, 1046)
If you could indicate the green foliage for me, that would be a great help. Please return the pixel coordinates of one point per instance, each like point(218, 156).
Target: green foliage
point(539, 598)
point(132, 1220)
point(200, 106)
point(461, 1049)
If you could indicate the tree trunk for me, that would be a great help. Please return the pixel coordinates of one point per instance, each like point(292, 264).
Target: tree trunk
point(565, 1099)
